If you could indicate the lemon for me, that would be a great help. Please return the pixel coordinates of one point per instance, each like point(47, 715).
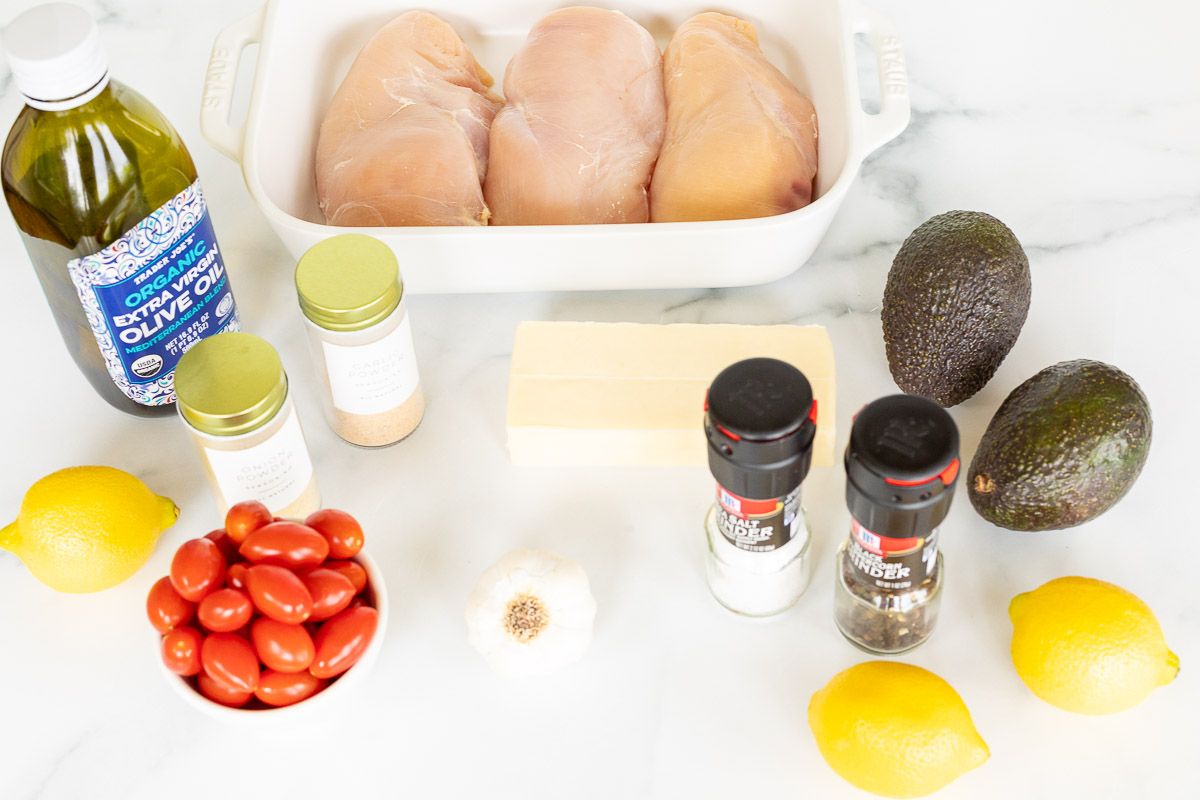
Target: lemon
point(84, 529)
point(1088, 646)
point(894, 729)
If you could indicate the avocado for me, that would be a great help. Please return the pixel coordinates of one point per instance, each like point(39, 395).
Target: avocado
point(1062, 449)
point(956, 298)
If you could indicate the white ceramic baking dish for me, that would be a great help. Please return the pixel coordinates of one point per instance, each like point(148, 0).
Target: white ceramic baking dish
point(306, 49)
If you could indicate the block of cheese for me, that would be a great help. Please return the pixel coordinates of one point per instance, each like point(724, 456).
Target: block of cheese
point(593, 393)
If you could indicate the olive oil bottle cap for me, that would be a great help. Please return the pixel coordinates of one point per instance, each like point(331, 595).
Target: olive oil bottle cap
point(760, 420)
point(348, 282)
point(56, 56)
point(230, 384)
point(901, 466)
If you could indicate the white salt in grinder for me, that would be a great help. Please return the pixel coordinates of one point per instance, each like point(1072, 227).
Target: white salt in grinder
point(760, 420)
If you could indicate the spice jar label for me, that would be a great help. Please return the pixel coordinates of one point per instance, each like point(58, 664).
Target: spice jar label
point(888, 562)
point(275, 472)
point(376, 377)
point(758, 526)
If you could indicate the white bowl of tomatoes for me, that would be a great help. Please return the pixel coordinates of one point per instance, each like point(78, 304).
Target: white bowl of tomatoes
point(267, 618)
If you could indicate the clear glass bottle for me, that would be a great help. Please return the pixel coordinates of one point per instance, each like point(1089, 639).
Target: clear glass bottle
point(757, 584)
point(359, 333)
point(760, 421)
point(106, 199)
point(901, 470)
point(234, 399)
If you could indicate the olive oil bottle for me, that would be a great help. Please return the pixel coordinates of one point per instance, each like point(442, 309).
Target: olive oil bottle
point(107, 201)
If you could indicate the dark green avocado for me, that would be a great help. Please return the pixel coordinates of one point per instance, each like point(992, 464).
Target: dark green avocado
point(1062, 449)
point(956, 298)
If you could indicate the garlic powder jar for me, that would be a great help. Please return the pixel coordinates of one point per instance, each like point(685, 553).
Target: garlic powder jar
point(352, 298)
point(233, 396)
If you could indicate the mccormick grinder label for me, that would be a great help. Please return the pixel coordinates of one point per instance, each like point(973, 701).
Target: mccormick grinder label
point(891, 563)
point(155, 292)
point(759, 526)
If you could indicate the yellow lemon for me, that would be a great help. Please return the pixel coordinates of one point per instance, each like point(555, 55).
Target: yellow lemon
point(1088, 646)
point(85, 529)
point(894, 729)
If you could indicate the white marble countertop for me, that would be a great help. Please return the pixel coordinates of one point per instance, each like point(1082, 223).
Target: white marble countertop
point(1075, 123)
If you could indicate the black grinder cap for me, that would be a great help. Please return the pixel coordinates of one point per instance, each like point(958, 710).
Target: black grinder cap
point(760, 420)
point(901, 466)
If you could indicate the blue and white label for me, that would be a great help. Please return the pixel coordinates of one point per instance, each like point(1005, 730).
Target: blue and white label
point(155, 292)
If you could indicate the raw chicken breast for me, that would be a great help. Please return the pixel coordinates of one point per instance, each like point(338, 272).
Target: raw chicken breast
point(405, 140)
point(741, 139)
point(583, 123)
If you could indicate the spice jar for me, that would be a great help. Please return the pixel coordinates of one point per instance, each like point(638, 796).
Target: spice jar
point(901, 468)
point(760, 420)
point(233, 395)
point(361, 339)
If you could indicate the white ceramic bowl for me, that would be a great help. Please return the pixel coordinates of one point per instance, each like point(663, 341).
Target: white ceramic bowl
point(306, 47)
point(318, 703)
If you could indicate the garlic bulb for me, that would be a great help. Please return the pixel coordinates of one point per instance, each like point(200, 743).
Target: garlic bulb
point(531, 613)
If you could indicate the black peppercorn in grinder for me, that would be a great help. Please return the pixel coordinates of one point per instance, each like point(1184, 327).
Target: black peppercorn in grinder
point(901, 469)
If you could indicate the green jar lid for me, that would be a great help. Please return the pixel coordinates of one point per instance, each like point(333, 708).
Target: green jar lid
point(229, 384)
point(348, 282)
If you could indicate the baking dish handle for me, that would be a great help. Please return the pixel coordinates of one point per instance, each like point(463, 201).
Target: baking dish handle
point(219, 82)
point(894, 110)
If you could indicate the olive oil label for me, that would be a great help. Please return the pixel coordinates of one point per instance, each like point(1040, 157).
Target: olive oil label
point(274, 472)
point(373, 378)
point(889, 562)
point(155, 292)
point(758, 526)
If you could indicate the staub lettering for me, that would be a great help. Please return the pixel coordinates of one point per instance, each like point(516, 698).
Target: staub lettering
point(218, 79)
point(893, 74)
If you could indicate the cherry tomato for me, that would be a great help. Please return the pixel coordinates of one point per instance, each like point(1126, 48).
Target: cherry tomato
point(331, 592)
point(181, 650)
point(166, 608)
point(278, 593)
point(342, 531)
point(230, 660)
point(227, 546)
point(236, 576)
point(220, 693)
point(352, 570)
point(244, 518)
point(197, 569)
point(342, 640)
point(285, 544)
point(284, 689)
point(225, 610)
point(282, 647)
